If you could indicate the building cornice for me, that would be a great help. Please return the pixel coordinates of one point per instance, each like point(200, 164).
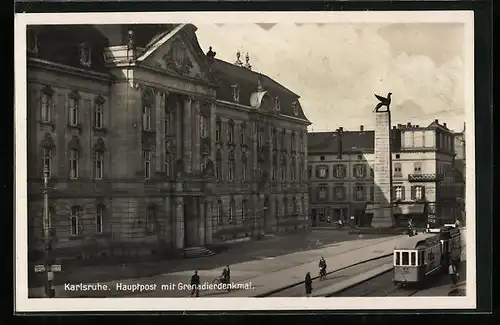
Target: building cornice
point(58, 67)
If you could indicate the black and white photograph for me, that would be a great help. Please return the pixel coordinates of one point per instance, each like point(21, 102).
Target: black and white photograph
point(181, 161)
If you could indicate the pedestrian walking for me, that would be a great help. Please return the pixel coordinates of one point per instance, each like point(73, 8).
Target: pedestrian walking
point(452, 271)
point(195, 284)
point(308, 284)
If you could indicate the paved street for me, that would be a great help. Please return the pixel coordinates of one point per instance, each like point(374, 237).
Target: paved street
point(248, 261)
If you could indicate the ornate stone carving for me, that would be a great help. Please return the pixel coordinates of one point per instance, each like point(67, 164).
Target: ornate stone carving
point(177, 59)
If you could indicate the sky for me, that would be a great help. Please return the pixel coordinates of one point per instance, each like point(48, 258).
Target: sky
point(337, 68)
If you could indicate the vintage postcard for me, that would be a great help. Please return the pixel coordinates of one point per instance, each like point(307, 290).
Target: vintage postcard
point(184, 161)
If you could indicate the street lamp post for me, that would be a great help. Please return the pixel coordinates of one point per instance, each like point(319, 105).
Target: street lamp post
point(47, 234)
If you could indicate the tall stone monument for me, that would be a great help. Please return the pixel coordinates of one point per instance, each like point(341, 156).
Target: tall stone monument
point(382, 209)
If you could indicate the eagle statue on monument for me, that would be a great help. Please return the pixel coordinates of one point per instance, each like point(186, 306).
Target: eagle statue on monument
point(384, 101)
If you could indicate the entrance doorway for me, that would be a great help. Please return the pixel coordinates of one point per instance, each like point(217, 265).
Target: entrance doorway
point(190, 222)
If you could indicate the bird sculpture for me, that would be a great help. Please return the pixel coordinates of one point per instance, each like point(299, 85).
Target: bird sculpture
point(383, 102)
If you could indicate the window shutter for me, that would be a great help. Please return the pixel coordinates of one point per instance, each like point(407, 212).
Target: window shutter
point(423, 193)
point(402, 193)
point(413, 192)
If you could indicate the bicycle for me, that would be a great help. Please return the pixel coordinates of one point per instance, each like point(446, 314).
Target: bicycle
point(218, 281)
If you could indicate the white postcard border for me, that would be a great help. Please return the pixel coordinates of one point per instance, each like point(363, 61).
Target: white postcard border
point(25, 304)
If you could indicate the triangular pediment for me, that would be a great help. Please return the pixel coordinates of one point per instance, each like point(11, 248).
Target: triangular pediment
point(178, 52)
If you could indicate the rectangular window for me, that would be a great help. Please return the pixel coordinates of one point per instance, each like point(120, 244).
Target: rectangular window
point(242, 134)
point(218, 169)
point(322, 172)
point(417, 167)
point(397, 258)
point(309, 171)
point(99, 219)
point(322, 195)
point(243, 209)
point(405, 258)
point(217, 131)
point(46, 107)
point(292, 172)
point(146, 118)
point(146, 157)
point(360, 192)
point(219, 213)
point(399, 192)
point(73, 164)
point(231, 211)
point(168, 164)
point(230, 133)
point(243, 171)
point(230, 170)
point(99, 165)
point(73, 112)
point(99, 116)
point(260, 171)
point(397, 170)
point(420, 258)
point(418, 192)
point(339, 192)
point(283, 173)
point(413, 258)
point(47, 160)
point(273, 173)
point(74, 225)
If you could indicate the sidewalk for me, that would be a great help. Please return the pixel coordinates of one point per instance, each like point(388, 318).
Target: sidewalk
point(265, 274)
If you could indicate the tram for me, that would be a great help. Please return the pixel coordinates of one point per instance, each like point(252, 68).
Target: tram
point(426, 254)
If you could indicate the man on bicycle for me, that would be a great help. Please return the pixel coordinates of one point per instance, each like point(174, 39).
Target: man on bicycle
point(226, 275)
point(322, 266)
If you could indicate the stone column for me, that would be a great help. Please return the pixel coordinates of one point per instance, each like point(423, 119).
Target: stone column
point(178, 130)
point(208, 223)
point(196, 135)
point(179, 222)
point(201, 221)
point(187, 125)
point(383, 214)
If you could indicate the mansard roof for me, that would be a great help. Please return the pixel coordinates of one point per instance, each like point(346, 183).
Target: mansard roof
point(348, 141)
point(247, 80)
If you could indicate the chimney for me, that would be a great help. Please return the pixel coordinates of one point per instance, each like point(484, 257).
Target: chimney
point(394, 127)
point(400, 126)
point(408, 124)
point(361, 128)
point(339, 142)
point(341, 129)
point(436, 121)
point(444, 124)
point(417, 126)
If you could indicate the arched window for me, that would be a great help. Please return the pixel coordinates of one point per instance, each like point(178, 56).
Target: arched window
point(47, 159)
point(147, 104)
point(283, 169)
point(75, 219)
point(273, 172)
point(99, 113)
point(230, 168)
point(218, 127)
point(168, 164)
point(99, 219)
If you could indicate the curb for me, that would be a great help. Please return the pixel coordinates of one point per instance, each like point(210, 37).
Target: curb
point(352, 285)
point(269, 293)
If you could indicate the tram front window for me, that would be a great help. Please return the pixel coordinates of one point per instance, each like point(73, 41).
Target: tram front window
point(398, 259)
point(405, 259)
point(413, 258)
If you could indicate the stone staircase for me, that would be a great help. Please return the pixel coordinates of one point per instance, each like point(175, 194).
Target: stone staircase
point(194, 252)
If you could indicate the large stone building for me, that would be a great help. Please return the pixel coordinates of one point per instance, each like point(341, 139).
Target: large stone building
point(152, 144)
point(424, 184)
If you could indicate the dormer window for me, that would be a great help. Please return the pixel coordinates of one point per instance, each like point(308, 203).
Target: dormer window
point(277, 103)
point(295, 107)
point(32, 42)
point(85, 55)
point(236, 93)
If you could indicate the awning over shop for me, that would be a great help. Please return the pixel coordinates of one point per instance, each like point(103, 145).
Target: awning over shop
point(402, 208)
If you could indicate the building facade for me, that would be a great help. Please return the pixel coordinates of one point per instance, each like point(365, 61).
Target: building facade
point(154, 145)
point(341, 171)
